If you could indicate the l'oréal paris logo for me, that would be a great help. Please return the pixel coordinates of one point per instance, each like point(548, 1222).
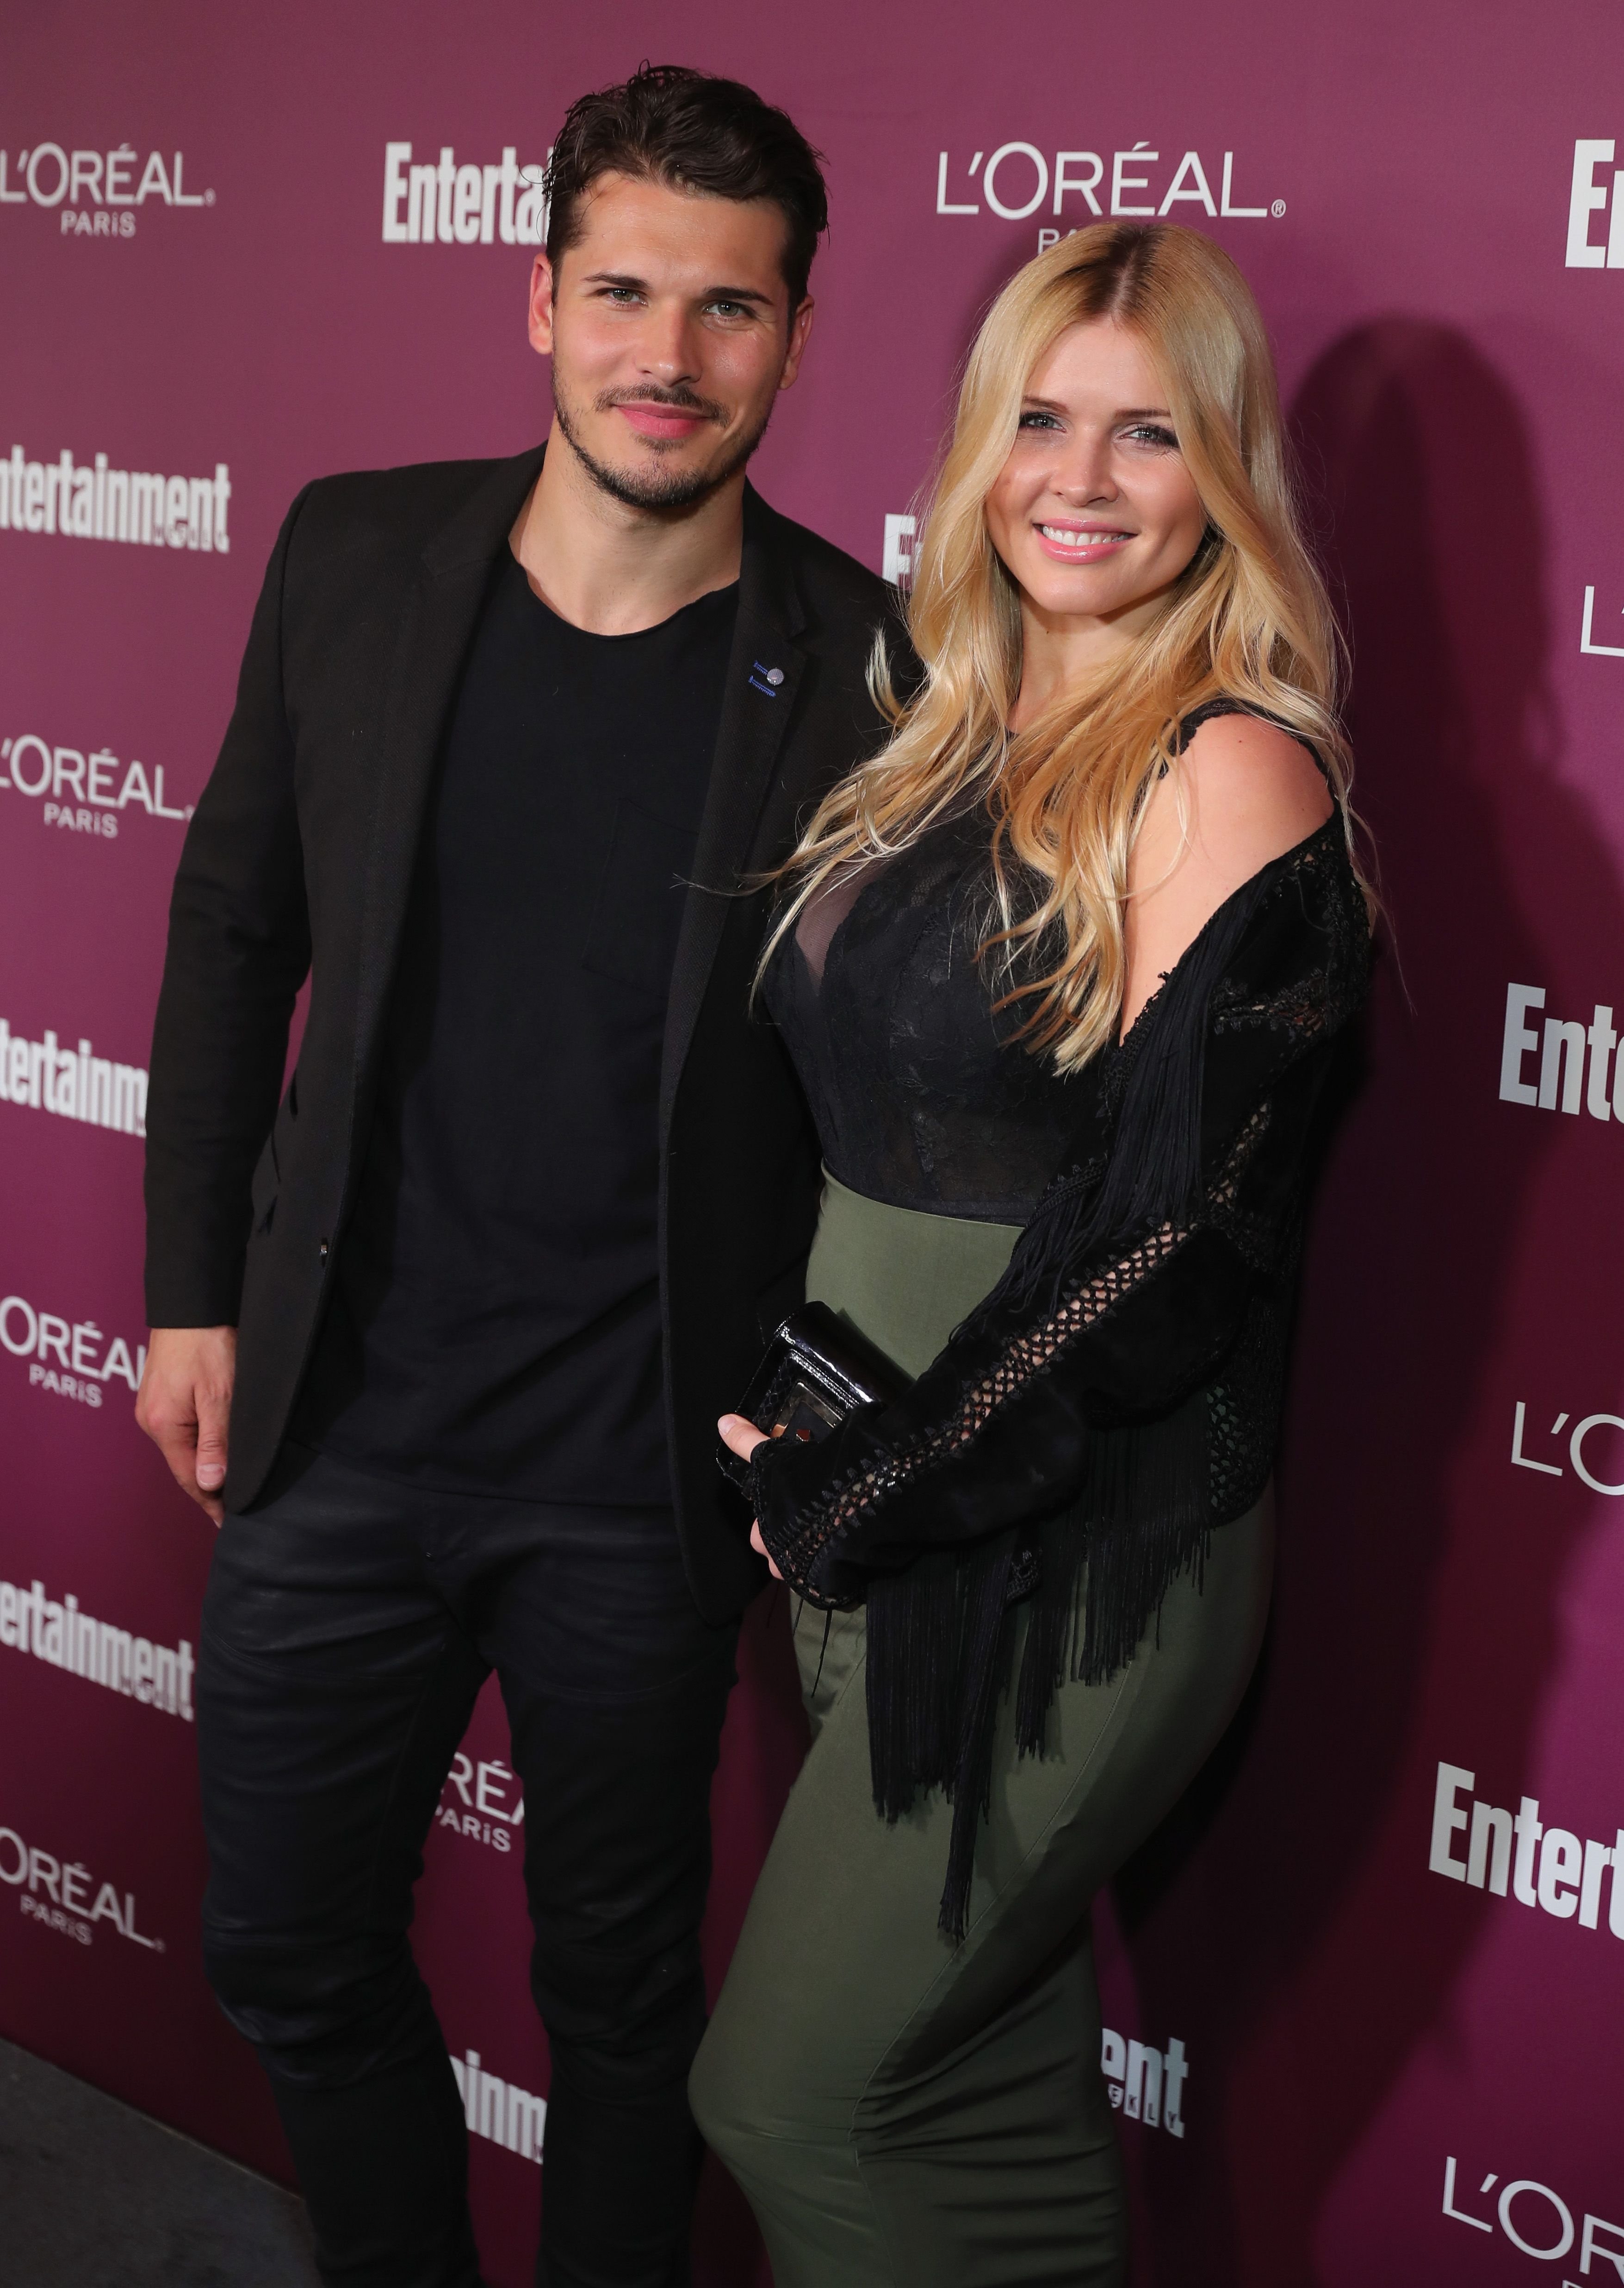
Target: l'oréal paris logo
point(85, 790)
point(1020, 181)
point(63, 1895)
point(96, 193)
point(1533, 2217)
point(70, 1357)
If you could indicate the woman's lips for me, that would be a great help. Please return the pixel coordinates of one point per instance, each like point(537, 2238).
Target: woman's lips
point(1074, 545)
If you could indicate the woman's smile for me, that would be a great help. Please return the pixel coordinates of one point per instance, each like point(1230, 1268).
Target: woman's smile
point(1081, 544)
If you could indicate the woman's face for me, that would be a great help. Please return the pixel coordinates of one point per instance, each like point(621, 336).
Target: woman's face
point(1094, 513)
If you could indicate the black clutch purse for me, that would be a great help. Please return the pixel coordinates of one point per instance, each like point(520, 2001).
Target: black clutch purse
point(815, 1370)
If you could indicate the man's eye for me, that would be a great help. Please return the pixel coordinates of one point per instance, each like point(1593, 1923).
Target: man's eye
point(729, 309)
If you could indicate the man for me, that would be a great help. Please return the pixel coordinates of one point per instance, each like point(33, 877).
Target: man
point(513, 745)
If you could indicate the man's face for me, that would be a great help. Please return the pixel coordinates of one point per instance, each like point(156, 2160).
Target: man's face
point(670, 333)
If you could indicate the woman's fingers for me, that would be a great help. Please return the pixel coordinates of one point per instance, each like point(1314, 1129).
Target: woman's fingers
point(761, 1549)
point(739, 1437)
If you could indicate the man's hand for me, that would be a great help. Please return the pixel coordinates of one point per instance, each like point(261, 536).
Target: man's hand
point(183, 1404)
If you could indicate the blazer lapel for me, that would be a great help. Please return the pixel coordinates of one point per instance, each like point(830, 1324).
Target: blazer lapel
point(446, 588)
point(763, 676)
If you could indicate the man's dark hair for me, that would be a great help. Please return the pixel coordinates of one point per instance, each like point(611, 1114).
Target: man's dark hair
point(682, 128)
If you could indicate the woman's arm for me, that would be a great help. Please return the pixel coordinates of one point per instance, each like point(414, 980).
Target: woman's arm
point(1083, 1333)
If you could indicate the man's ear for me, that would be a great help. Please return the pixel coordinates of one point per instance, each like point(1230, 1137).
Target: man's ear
point(541, 306)
point(800, 326)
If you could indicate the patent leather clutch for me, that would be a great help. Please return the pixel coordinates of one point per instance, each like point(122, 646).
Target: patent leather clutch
point(816, 1370)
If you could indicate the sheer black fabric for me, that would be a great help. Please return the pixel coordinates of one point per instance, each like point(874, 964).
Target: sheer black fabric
point(919, 1097)
point(1118, 1395)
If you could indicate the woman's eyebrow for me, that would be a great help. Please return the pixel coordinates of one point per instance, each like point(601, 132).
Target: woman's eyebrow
point(1122, 413)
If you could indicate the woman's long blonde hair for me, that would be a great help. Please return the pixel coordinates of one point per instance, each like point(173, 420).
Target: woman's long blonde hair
point(1248, 619)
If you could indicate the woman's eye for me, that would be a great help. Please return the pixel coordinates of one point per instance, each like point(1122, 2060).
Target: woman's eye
point(1038, 421)
point(1151, 433)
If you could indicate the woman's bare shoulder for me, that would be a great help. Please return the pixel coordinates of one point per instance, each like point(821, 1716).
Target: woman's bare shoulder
point(1247, 793)
point(1254, 792)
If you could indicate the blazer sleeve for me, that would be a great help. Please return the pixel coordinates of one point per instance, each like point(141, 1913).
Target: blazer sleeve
point(238, 951)
point(1081, 1337)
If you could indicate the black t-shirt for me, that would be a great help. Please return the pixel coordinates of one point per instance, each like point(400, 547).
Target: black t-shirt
point(494, 1320)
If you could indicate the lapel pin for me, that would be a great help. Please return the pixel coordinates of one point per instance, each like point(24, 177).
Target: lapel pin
point(765, 679)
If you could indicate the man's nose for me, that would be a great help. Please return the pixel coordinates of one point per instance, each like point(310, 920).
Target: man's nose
point(669, 346)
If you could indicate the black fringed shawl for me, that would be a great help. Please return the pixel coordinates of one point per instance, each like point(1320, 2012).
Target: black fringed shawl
point(1117, 1395)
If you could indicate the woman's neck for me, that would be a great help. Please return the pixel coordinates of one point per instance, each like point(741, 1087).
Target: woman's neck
point(1064, 656)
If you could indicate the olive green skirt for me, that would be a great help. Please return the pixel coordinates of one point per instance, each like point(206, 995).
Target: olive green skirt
point(897, 2109)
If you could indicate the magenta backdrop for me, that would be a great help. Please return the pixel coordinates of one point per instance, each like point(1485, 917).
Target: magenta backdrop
point(1400, 2019)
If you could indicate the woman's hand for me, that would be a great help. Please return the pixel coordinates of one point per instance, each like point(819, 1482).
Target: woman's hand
point(741, 1438)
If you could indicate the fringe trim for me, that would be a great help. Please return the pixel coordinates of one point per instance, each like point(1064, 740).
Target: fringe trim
point(942, 1635)
point(1154, 1172)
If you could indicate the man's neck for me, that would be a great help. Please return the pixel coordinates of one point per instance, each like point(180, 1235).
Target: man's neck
point(614, 569)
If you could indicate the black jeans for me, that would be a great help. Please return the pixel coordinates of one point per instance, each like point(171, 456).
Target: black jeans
point(348, 1626)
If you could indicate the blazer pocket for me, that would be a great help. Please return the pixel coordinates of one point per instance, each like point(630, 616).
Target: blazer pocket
point(632, 937)
point(263, 1189)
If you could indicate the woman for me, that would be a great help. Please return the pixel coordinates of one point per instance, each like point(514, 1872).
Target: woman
point(1062, 970)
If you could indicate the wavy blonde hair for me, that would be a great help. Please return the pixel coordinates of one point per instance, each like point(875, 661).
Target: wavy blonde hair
point(1248, 619)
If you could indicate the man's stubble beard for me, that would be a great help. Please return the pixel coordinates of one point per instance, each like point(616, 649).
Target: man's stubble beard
point(677, 490)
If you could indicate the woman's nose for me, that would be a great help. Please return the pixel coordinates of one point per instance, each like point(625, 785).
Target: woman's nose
point(1086, 475)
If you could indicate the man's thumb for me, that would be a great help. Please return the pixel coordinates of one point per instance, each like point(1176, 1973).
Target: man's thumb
point(211, 1464)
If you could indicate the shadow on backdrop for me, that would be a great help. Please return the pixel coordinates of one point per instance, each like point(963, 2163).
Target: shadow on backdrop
point(1298, 2014)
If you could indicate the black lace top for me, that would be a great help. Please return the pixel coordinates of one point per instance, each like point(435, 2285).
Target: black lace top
point(1118, 1395)
point(920, 1098)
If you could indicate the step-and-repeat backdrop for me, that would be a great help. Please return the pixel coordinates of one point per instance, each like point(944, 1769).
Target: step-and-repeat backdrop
point(1364, 1994)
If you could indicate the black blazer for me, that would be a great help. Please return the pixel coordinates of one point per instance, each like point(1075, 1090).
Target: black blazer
point(299, 858)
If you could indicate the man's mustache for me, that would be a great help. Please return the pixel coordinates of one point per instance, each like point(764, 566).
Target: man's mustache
point(681, 400)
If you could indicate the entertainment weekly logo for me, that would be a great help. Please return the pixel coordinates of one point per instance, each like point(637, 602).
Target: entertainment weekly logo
point(82, 793)
point(96, 191)
point(75, 1084)
point(501, 2110)
point(55, 1630)
point(439, 202)
point(94, 500)
point(1576, 1067)
point(1516, 1855)
point(1143, 2084)
point(1587, 198)
point(63, 1895)
point(1017, 180)
point(896, 554)
point(64, 1355)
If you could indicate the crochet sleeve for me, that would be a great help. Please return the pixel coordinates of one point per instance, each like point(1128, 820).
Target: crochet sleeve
point(1131, 1284)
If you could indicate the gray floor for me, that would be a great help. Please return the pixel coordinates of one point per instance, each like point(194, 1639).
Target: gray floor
point(94, 2195)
